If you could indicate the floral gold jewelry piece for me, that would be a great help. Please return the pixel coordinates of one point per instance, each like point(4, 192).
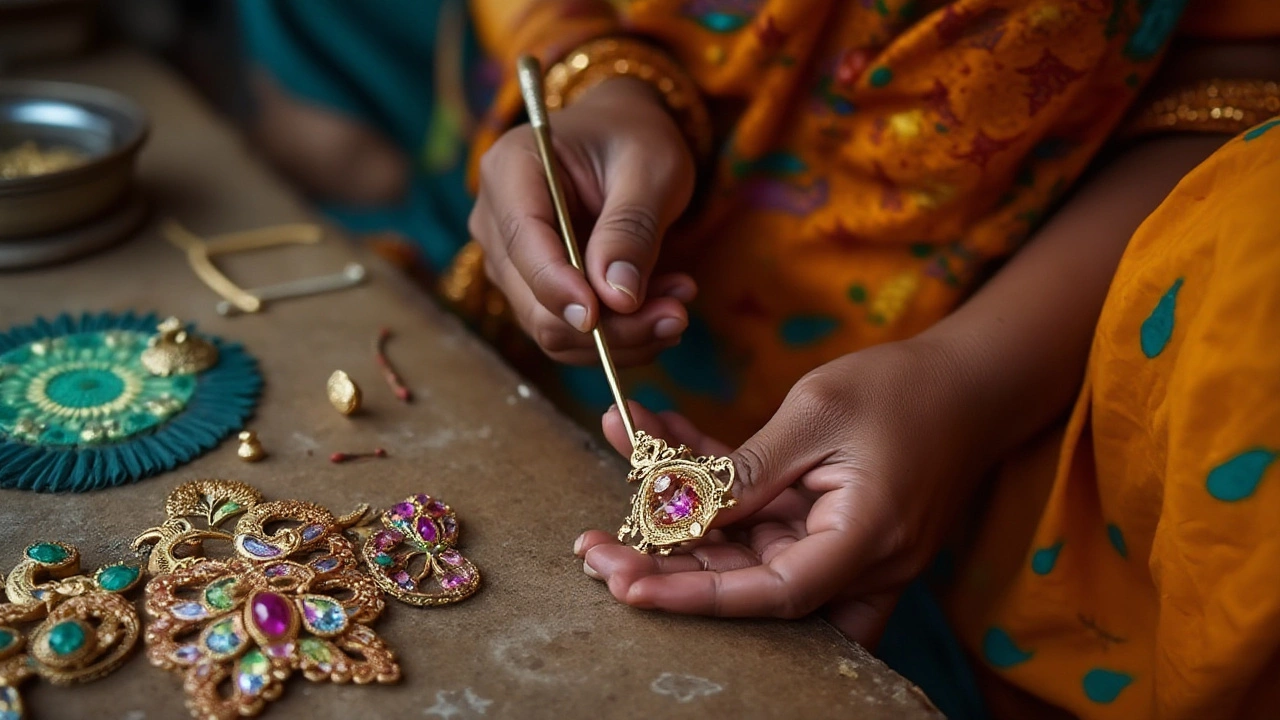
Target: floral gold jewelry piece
point(292, 600)
point(429, 570)
point(394, 381)
point(679, 495)
point(1210, 106)
point(85, 628)
point(343, 393)
point(100, 400)
point(250, 449)
point(600, 60)
point(174, 351)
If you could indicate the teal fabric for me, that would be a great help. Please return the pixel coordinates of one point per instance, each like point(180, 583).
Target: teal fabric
point(373, 61)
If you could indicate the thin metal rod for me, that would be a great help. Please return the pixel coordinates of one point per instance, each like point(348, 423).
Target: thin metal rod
point(530, 74)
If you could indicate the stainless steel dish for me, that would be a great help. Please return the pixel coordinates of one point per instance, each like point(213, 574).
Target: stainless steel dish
point(105, 126)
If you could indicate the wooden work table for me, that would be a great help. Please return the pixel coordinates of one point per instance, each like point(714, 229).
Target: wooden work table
point(540, 639)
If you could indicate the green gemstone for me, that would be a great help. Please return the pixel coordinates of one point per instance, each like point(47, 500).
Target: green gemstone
point(383, 559)
point(66, 637)
point(49, 553)
point(881, 76)
point(117, 577)
point(6, 639)
point(219, 594)
point(315, 649)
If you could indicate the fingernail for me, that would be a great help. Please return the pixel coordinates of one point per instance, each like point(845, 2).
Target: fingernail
point(577, 544)
point(591, 572)
point(625, 278)
point(684, 292)
point(668, 328)
point(576, 315)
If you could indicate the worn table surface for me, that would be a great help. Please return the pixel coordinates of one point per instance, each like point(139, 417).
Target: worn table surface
point(540, 639)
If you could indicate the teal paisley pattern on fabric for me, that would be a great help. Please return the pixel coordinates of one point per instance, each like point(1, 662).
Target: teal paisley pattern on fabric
point(86, 388)
point(78, 411)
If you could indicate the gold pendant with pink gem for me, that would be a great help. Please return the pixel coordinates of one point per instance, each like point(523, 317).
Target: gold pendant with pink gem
point(678, 497)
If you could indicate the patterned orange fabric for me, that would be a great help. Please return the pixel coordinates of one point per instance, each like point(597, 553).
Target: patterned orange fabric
point(1147, 587)
point(879, 155)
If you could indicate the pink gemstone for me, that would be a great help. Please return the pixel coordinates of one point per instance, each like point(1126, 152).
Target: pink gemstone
point(427, 529)
point(281, 650)
point(272, 614)
point(435, 508)
point(677, 502)
point(422, 499)
point(403, 510)
point(452, 557)
point(386, 539)
point(403, 580)
point(454, 580)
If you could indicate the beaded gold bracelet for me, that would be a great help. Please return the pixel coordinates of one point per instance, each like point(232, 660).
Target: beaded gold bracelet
point(600, 60)
point(1210, 106)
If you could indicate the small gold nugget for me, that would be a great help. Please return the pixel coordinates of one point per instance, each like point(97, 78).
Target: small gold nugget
point(250, 449)
point(343, 393)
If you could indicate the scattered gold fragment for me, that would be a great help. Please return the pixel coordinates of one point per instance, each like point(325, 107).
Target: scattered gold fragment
point(250, 449)
point(343, 392)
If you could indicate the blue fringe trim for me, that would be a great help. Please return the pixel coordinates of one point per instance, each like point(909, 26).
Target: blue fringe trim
point(224, 399)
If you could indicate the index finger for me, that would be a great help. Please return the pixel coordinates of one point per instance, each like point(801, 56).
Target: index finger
point(524, 228)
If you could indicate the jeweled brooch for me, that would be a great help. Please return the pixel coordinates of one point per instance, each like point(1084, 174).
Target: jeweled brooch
point(414, 556)
point(84, 629)
point(285, 601)
point(678, 497)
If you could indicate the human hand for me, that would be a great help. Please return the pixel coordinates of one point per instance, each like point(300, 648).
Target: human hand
point(843, 498)
point(628, 174)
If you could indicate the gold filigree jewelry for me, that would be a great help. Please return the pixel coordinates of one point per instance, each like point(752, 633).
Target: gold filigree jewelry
point(174, 351)
point(85, 631)
point(678, 497)
point(343, 393)
point(290, 600)
point(679, 494)
point(429, 570)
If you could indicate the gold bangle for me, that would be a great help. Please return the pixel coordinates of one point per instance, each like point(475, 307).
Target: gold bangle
point(600, 60)
point(1210, 106)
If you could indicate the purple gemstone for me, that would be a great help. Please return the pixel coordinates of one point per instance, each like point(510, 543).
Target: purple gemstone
point(422, 499)
point(272, 614)
point(435, 508)
point(386, 539)
point(403, 580)
point(187, 653)
point(275, 571)
point(676, 501)
point(452, 557)
point(403, 510)
point(257, 548)
point(427, 530)
point(311, 532)
point(453, 580)
point(325, 564)
point(450, 526)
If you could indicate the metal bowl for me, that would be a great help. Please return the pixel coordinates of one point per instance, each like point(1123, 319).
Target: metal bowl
point(105, 126)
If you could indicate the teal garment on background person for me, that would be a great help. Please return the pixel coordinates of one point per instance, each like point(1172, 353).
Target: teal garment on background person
point(375, 62)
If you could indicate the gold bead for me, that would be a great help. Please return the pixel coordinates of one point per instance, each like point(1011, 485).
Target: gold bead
point(250, 449)
point(344, 394)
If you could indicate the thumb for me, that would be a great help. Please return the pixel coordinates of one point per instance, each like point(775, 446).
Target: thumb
point(624, 243)
point(771, 461)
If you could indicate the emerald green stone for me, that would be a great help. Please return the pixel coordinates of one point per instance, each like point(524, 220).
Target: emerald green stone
point(383, 559)
point(6, 639)
point(48, 553)
point(315, 649)
point(117, 577)
point(218, 595)
point(66, 637)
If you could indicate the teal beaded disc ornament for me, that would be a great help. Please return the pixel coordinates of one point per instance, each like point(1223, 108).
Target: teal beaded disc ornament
point(79, 410)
